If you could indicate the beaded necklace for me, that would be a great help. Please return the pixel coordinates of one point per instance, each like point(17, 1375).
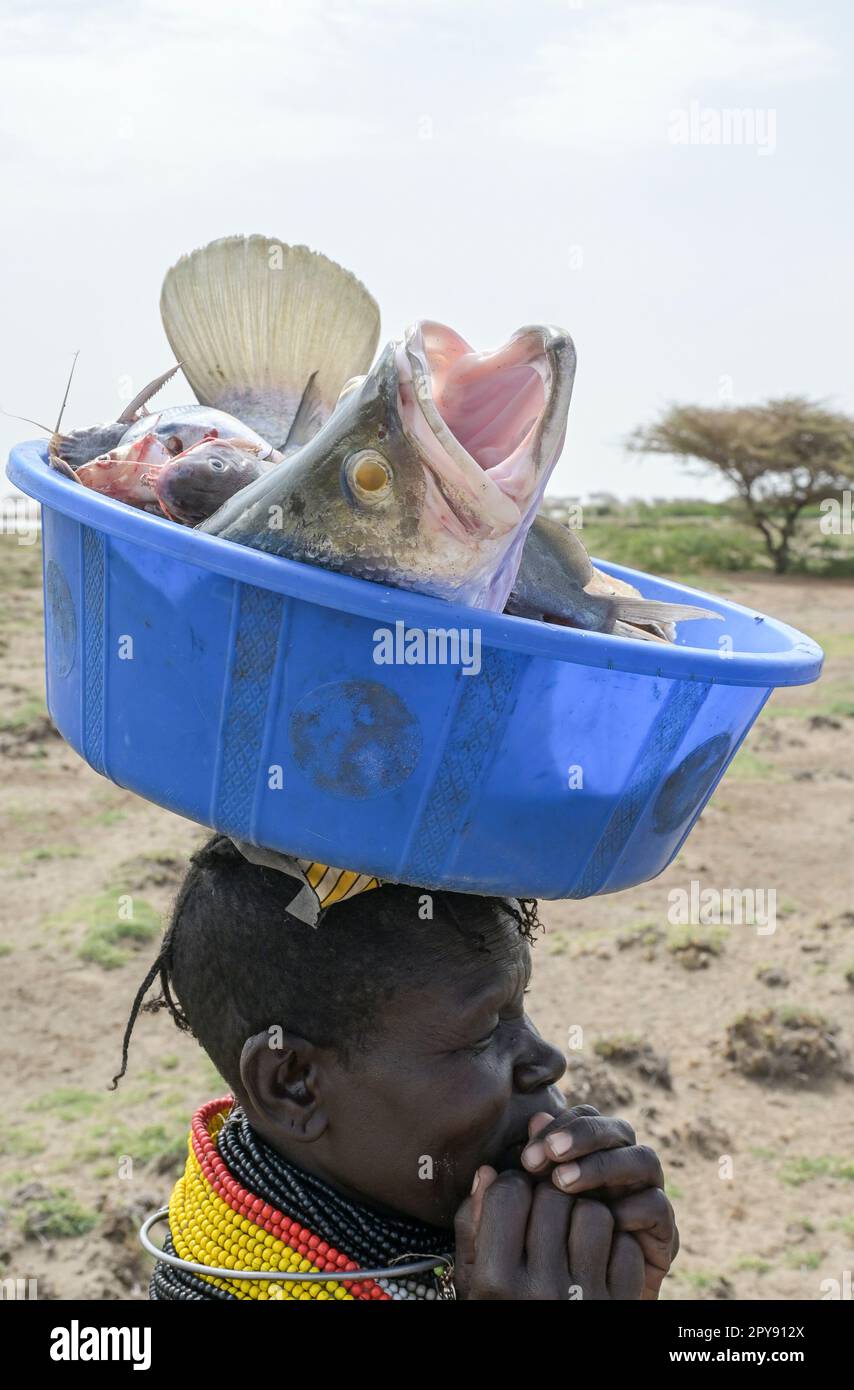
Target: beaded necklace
point(241, 1205)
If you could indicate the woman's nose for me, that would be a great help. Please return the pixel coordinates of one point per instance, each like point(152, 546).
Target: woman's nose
point(539, 1064)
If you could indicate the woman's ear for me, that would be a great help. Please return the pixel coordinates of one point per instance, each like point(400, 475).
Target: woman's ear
point(281, 1078)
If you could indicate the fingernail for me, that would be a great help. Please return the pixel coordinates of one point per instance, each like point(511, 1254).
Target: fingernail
point(476, 1182)
point(533, 1155)
point(567, 1174)
point(560, 1143)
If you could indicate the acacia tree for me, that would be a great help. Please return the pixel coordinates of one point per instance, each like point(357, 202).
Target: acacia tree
point(780, 457)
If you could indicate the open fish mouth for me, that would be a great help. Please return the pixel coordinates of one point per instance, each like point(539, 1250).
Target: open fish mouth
point(490, 426)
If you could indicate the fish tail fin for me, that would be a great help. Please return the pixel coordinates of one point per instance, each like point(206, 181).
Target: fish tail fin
point(253, 321)
point(644, 610)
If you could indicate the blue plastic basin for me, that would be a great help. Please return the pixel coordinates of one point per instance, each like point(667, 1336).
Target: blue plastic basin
point(241, 690)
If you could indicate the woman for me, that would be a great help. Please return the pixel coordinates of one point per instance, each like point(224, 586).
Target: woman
point(390, 1098)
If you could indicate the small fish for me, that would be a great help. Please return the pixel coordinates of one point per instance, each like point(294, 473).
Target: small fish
point(68, 452)
point(193, 485)
point(127, 472)
point(178, 428)
point(428, 472)
point(557, 582)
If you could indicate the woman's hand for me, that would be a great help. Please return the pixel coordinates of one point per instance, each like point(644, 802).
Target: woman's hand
point(517, 1239)
point(584, 1152)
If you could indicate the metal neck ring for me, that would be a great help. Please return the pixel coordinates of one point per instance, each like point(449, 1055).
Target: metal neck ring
point(418, 1265)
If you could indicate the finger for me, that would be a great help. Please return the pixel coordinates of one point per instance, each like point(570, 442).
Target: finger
point(575, 1135)
point(648, 1211)
point(650, 1217)
point(591, 1229)
point(539, 1122)
point(626, 1269)
point(483, 1179)
point(467, 1219)
point(611, 1171)
point(546, 1241)
point(500, 1240)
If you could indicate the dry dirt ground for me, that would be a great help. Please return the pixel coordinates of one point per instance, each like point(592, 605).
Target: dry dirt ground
point(726, 1047)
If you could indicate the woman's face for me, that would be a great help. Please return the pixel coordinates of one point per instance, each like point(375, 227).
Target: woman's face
point(455, 1075)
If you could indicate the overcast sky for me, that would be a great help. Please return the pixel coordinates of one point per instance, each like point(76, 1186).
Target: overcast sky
point(488, 163)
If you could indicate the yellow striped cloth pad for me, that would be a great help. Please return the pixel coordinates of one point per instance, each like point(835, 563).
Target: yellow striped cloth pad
point(335, 885)
point(322, 884)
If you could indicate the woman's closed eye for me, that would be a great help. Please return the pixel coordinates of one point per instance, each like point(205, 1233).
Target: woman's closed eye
point(487, 1038)
point(511, 1014)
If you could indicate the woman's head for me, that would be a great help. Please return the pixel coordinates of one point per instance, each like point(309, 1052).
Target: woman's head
point(385, 1050)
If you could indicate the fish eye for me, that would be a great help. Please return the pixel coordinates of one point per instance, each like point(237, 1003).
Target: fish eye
point(369, 475)
point(217, 464)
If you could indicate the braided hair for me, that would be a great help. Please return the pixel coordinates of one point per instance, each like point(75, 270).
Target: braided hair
point(232, 960)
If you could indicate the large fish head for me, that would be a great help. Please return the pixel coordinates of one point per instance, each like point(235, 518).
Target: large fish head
point(429, 471)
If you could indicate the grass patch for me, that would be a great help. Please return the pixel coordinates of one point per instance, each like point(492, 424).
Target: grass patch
point(805, 1259)
point(68, 1103)
point(836, 644)
point(766, 1155)
point(35, 856)
point(753, 1263)
point(106, 818)
point(832, 707)
point(145, 1145)
point(618, 1048)
point(700, 1279)
point(56, 1217)
point(796, 1171)
point(673, 545)
point(670, 538)
point(18, 1142)
point(23, 716)
point(114, 924)
point(708, 939)
point(747, 767)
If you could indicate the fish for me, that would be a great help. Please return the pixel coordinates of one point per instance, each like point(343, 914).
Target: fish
point(127, 472)
point(178, 428)
point(266, 335)
point(429, 471)
point(196, 482)
point(68, 452)
point(268, 332)
point(558, 582)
